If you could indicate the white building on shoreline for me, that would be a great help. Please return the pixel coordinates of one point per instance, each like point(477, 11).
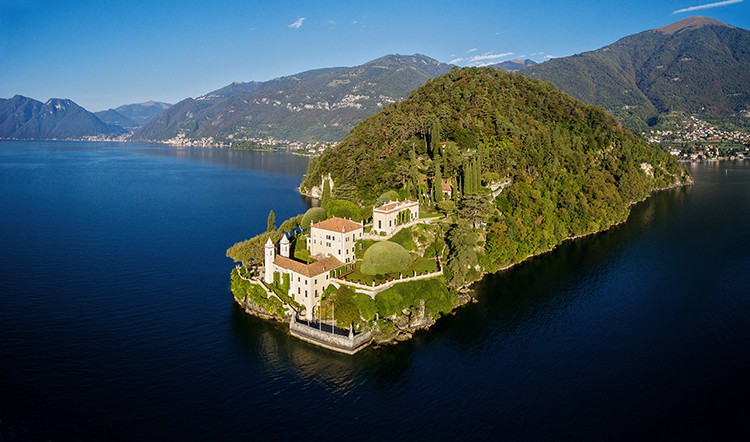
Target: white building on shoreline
point(331, 244)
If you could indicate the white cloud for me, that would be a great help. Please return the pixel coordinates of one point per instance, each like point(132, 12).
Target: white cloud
point(298, 23)
point(472, 50)
point(456, 60)
point(489, 56)
point(707, 6)
point(547, 57)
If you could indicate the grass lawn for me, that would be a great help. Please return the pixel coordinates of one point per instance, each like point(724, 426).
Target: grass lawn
point(420, 265)
point(303, 255)
point(424, 215)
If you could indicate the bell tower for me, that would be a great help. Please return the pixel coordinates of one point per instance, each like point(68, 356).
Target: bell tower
point(268, 261)
point(284, 246)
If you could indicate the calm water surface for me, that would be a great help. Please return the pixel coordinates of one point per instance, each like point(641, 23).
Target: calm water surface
point(116, 320)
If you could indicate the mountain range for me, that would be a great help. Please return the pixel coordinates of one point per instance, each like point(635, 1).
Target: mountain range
point(130, 116)
point(28, 119)
point(318, 105)
point(697, 66)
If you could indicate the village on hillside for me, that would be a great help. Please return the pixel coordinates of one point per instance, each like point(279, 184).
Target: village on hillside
point(690, 138)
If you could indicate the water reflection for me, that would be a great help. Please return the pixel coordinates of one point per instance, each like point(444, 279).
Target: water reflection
point(519, 303)
point(274, 162)
point(269, 345)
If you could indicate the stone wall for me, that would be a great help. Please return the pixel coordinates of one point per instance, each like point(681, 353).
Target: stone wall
point(342, 344)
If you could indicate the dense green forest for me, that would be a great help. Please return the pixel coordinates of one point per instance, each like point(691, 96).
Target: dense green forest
point(528, 166)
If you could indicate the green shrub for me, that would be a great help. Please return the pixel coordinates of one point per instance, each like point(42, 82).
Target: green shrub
point(405, 239)
point(389, 302)
point(385, 257)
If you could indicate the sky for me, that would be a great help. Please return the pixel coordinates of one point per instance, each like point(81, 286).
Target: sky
point(103, 54)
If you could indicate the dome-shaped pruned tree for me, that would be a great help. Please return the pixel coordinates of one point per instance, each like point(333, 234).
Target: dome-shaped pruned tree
point(312, 216)
point(385, 257)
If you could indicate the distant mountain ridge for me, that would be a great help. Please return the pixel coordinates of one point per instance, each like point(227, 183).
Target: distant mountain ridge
point(699, 66)
point(514, 65)
point(317, 105)
point(130, 116)
point(24, 118)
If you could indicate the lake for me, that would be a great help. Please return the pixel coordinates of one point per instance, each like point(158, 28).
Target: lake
point(117, 323)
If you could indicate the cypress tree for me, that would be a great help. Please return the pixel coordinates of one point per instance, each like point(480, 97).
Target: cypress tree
point(271, 223)
point(435, 137)
point(438, 184)
point(326, 193)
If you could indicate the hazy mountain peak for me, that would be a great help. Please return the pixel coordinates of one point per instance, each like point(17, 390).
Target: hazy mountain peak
point(155, 103)
point(694, 22)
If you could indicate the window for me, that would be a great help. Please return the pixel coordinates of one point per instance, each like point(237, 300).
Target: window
point(305, 282)
point(298, 291)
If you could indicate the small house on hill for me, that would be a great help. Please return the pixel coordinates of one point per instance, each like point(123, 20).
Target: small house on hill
point(386, 218)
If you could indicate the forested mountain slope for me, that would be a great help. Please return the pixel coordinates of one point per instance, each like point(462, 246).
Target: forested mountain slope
point(698, 66)
point(568, 168)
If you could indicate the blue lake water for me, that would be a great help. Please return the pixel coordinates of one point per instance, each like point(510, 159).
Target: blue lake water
point(116, 320)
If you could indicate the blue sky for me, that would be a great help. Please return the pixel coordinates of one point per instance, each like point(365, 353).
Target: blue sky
point(102, 54)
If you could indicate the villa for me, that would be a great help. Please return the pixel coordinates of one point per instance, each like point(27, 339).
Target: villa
point(387, 218)
point(331, 244)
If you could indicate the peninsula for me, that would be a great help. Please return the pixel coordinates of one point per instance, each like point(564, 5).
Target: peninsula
point(476, 171)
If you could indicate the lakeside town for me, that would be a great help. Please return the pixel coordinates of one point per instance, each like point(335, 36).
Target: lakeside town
point(691, 139)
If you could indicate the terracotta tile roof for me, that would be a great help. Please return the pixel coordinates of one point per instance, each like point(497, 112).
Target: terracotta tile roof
point(314, 269)
point(336, 224)
point(392, 207)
